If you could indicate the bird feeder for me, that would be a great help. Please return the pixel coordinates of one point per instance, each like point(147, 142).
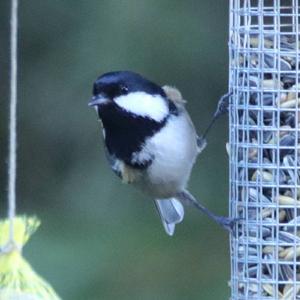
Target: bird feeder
point(264, 155)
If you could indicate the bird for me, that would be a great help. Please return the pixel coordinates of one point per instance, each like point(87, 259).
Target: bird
point(150, 141)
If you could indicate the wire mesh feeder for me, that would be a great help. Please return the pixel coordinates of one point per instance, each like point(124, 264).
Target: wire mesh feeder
point(264, 154)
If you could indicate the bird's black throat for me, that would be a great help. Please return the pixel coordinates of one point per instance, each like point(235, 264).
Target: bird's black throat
point(125, 133)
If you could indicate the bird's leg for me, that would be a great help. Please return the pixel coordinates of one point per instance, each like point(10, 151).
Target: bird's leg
point(222, 108)
point(226, 222)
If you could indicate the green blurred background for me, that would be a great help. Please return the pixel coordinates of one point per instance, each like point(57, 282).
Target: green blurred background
point(100, 239)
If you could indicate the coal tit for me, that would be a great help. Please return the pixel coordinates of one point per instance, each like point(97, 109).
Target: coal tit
point(150, 141)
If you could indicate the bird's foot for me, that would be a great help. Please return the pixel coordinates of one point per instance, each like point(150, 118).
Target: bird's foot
point(227, 223)
point(223, 105)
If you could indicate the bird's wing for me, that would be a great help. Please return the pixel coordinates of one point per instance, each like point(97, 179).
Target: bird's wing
point(127, 173)
point(174, 95)
point(171, 213)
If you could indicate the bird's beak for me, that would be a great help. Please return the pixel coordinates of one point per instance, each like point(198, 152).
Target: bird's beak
point(98, 100)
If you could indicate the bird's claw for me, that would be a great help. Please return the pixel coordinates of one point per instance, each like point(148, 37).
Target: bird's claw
point(227, 223)
point(223, 105)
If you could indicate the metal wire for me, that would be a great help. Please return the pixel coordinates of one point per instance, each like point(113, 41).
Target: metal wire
point(264, 155)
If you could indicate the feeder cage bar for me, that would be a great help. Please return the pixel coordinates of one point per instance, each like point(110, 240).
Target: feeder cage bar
point(264, 155)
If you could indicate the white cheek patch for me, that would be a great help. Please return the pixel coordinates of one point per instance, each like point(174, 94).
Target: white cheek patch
point(144, 105)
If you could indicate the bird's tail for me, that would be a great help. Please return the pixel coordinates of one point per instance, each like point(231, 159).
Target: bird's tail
point(171, 213)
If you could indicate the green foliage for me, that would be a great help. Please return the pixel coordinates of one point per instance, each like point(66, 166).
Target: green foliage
point(101, 239)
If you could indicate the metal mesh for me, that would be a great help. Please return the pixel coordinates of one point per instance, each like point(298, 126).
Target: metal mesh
point(264, 155)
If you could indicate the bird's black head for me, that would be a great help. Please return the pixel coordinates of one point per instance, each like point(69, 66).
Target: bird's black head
point(115, 84)
point(130, 93)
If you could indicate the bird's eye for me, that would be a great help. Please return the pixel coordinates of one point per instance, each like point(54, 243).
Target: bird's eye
point(124, 89)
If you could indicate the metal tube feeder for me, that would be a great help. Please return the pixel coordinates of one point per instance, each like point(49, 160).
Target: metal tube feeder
point(264, 149)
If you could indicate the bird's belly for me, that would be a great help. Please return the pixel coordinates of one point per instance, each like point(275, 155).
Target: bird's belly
point(164, 181)
point(175, 151)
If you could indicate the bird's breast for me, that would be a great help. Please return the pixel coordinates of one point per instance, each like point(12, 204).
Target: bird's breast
point(174, 149)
